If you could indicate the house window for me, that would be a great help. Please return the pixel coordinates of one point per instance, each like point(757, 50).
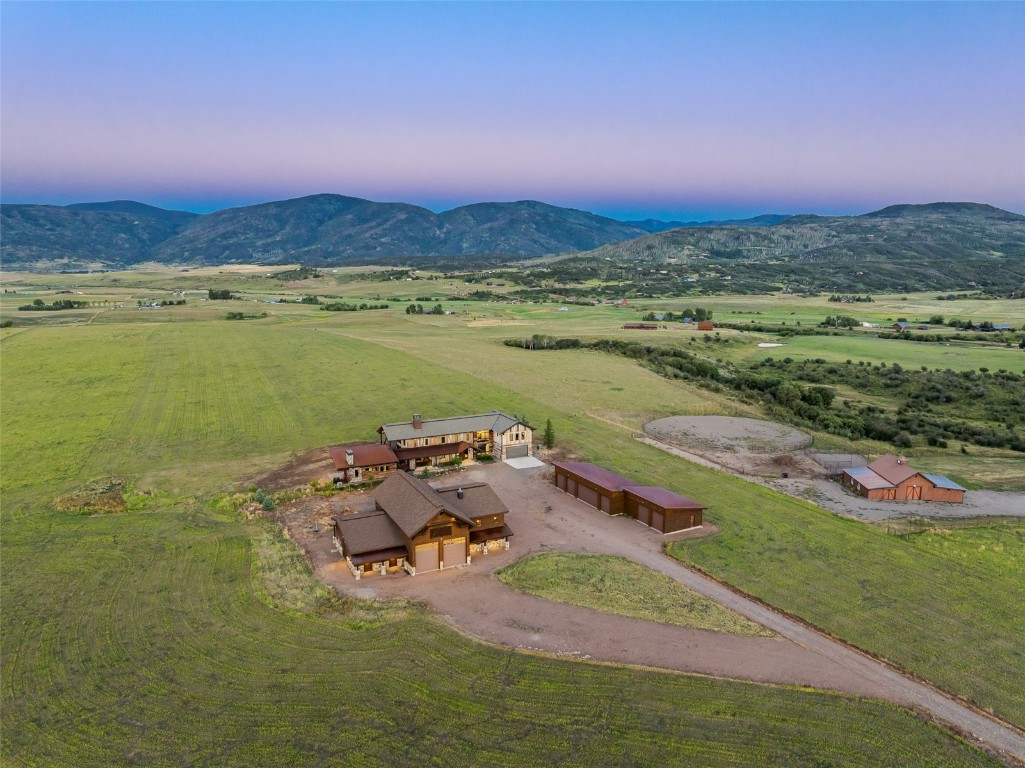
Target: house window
point(437, 533)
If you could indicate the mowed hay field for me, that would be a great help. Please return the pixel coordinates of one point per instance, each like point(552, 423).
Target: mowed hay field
point(148, 637)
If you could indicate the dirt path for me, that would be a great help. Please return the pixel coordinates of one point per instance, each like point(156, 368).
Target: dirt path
point(545, 519)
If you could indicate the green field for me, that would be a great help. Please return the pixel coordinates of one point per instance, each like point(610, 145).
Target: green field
point(620, 586)
point(159, 637)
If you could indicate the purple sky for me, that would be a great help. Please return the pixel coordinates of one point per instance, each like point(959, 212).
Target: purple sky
point(682, 110)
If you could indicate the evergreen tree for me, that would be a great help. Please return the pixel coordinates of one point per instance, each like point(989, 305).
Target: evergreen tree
point(549, 434)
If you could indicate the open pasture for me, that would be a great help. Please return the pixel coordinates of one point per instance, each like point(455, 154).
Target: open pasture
point(152, 640)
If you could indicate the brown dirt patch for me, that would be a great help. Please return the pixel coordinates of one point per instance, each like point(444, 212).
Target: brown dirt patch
point(741, 445)
point(300, 470)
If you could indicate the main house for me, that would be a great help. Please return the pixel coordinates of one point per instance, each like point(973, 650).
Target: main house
point(425, 442)
point(418, 528)
point(891, 478)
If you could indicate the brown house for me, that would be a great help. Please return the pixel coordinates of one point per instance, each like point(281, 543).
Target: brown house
point(362, 462)
point(656, 507)
point(419, 528)
point(891, 478)
point(429, 442)
point(662, 510)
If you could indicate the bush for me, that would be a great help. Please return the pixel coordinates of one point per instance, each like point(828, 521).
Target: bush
point(485, 458)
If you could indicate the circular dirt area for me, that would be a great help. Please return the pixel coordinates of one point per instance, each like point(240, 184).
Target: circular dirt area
point(728, 433)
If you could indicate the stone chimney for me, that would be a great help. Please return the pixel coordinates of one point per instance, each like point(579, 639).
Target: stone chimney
point(459, 493)
point(417, 421)
point(901, 460)
point(350, 456)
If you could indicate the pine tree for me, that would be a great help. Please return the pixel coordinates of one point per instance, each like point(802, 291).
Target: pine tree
point(549, 434)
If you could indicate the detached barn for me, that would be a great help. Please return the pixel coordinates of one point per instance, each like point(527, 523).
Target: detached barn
point(592, 485)
point(661, 509)
point(891, 478)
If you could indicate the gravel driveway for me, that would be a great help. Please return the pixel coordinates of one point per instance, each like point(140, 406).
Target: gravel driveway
point(546, 519)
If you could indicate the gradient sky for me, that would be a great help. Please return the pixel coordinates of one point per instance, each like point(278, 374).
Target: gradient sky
point(683, 110)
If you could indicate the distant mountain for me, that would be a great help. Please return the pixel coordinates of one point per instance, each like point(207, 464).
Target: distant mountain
point(765, 220)
point(320, 229)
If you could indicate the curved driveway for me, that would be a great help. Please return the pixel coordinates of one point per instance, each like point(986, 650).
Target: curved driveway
point(473, 600)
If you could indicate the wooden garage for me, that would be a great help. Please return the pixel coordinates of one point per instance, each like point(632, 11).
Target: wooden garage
point(592, 485)
point(663, 510)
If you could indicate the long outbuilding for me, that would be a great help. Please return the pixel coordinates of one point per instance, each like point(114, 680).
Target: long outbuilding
point(656, 507)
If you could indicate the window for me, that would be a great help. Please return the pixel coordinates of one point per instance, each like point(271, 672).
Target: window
point(437, 533)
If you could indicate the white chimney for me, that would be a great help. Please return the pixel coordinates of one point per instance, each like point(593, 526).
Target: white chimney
point(350, 457)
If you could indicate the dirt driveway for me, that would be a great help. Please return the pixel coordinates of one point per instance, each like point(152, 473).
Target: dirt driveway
point(543, 518)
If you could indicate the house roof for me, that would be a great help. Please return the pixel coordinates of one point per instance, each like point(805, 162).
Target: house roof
point(445, 449)
point(478, 499)
point(941, 481)
point(663, 498)
point(868, 478)
point(364, 455)
point(894, 469)
point(488, 534)
point(369, 532)
point(494, 421)
point(597, 475)
point(411, 503)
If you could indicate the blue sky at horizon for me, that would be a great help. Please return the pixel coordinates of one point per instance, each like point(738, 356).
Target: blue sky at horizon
point(667, 110)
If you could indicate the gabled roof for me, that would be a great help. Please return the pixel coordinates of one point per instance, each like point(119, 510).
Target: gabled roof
point(940, 481)
point(369, 532)
point(411, 503)
point(495, 421)
point(445, 449)
point(363, 455)
point(663, 498)
point(478, 499)
point(597, 475)
point(868, 478)
point(892, 468)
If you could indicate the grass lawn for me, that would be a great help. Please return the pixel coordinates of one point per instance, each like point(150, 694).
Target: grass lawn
point(175, 633)
point(617, 585)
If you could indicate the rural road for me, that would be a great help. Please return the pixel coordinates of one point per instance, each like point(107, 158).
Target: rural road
point(546, 519)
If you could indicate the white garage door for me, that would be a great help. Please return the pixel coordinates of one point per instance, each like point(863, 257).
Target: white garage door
point(426, 558)
point(455, 552)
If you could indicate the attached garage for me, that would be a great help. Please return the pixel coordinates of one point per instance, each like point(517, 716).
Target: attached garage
point(454, 552)
point(591, 484)
point(426, 557)
point(663, 510)
point(517, 451)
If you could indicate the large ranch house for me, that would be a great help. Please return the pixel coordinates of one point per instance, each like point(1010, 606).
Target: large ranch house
point(417, 528)
point(430, 442)
point(891, 478)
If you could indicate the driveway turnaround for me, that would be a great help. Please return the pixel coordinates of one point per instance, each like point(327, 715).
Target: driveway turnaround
point(545, 519)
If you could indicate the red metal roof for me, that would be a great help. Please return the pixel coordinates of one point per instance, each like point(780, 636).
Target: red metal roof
point(595, 474)
point(662, 497)
point(363, 455)
point(445, 449)
point(894, 469)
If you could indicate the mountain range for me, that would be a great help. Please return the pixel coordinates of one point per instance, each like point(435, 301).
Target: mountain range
point(334, 229)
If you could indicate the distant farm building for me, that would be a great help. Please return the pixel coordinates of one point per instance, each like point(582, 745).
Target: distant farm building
point(640, 327)
point(416, 528)
point(430, 442)
point(891, 478)
point(901, 326)
point(656, 507)
point(705, 325)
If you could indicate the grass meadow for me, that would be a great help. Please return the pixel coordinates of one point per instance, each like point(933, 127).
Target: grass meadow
point(177, 633)
point(613, 584)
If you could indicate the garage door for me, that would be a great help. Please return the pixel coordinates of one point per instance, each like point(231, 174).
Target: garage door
point(560, 481)
point(426, 557)
point(571, 486)
point(588, 495)
point(517, 451)
point(606, 505)
point(644, 514)
point(657, 520)
point(455, 552)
